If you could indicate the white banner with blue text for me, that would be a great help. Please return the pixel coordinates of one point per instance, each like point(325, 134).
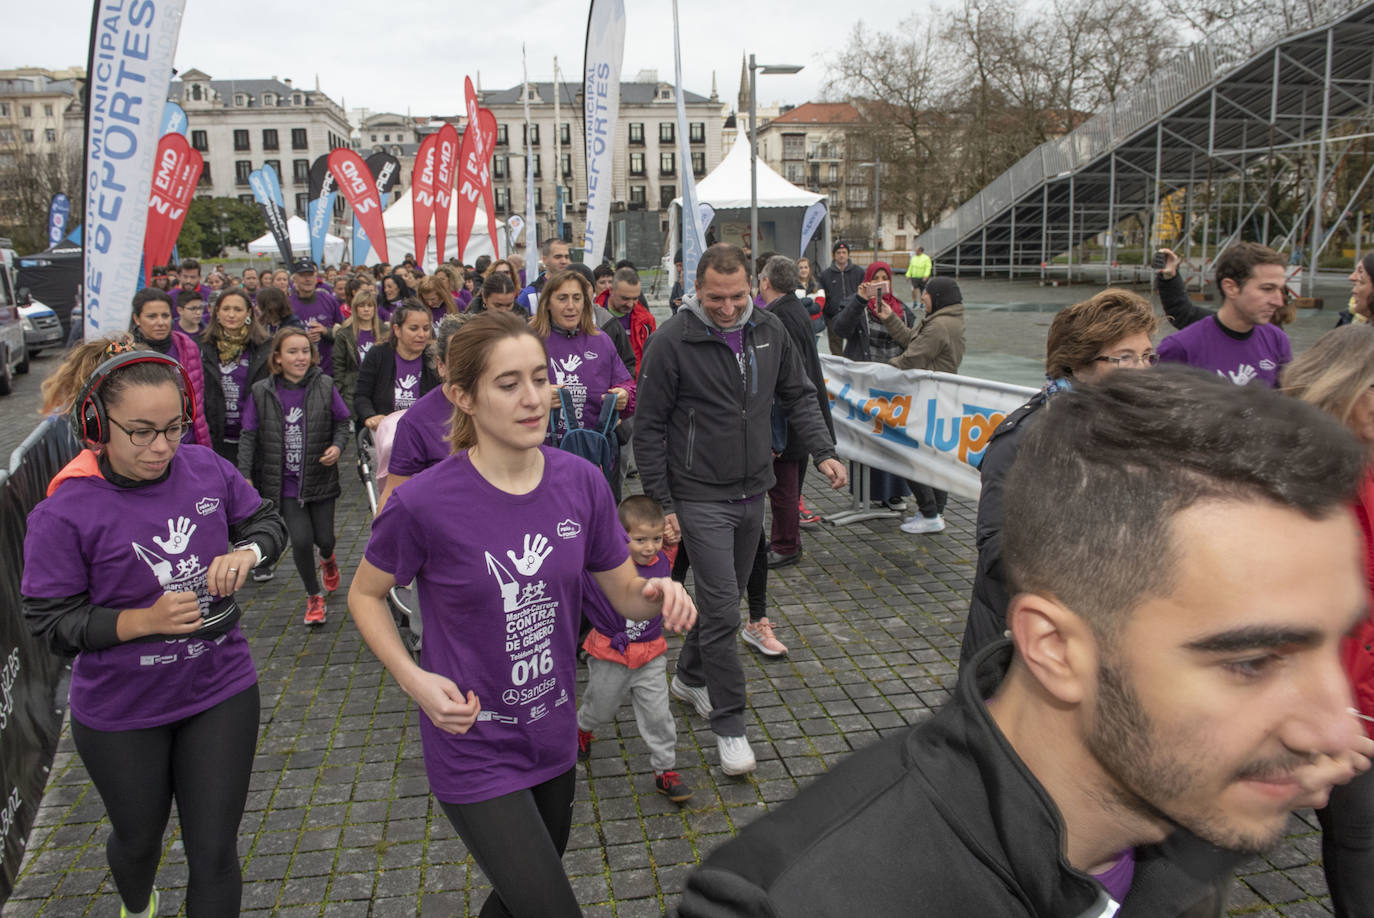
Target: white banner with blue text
point(926, 426)
point(130, 64)
point(601, 108)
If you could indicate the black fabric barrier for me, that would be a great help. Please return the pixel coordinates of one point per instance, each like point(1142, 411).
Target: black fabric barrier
point(30, 718)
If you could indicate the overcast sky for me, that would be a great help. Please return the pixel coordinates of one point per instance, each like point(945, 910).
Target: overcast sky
point(390, 54)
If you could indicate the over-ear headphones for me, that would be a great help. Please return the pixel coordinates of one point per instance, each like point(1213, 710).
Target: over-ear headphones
point(88, 413)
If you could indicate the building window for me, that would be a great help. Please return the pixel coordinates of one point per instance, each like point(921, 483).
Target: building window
point(297, 99)
point(667, 163)
point(269, 98)
point(47, 109)
point(901, 224)
point(793, 146)
point(4, 109)
point(636, 163)
point(300, 204)
point(374, 138)
point(538, 167)
point(6, 135)
point(794, 172)
point(900, 241)
point(28, 111)
point(566, 165)
point(205, 175)
point(197, 94)
point(242, 169)
point(637, 194)
point(241, 99)
point(502, 199)
point(531, 136)
point(538, 198)
point(28, 135)
point(697, 131)
point(637, 133)
point(666, 132)
point(275, 164)
point(815, 174)
point(300, 170)
point(502, 135)
point(241, 143)
point(499, 165)
point(299, 140)
point(246, 199)
point(666, 193)
point(386, 138)
point(834, 172)
point(857, 196)
point(565, 134)
point(698, 163)
point(50, 135)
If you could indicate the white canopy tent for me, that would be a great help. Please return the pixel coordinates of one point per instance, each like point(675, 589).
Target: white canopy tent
point(399, 220)
point(300, 243)
point(781, 207)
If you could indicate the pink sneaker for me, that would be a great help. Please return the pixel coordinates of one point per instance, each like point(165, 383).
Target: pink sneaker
point(759, 634)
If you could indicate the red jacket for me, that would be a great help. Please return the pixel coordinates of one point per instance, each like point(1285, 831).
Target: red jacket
point(1357, 652)
point(642, 325)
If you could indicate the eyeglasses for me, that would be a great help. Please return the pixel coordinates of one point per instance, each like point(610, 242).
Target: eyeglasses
point(144, 436)
point(1149, 359)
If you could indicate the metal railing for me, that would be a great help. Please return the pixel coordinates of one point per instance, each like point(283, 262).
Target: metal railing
point(1175, 82)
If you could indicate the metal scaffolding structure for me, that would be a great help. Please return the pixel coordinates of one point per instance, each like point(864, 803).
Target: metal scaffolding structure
point(1209, 127)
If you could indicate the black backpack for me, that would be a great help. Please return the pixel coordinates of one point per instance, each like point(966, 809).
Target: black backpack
point(595, 444)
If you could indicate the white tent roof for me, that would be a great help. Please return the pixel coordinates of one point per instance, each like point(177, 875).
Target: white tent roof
point(399, 220)
point(300, 242)
point(727, 186)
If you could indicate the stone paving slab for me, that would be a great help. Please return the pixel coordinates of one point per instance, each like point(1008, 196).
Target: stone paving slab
point(339, 821)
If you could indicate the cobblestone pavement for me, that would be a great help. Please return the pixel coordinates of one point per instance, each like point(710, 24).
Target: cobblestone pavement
point(339, 821)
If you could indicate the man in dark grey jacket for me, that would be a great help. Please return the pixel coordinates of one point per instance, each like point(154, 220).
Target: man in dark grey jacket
point(704, 448)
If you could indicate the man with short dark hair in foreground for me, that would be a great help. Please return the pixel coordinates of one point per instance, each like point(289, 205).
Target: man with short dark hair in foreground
point(1185, 566)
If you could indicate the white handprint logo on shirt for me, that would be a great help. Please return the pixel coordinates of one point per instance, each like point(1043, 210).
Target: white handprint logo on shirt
point(294, 415)
point(179, 532)
point(408, 381)
point(537, 548)
point(1244, 375)
point(562, 368)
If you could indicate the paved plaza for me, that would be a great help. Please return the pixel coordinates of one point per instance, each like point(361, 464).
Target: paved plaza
point(339, 821)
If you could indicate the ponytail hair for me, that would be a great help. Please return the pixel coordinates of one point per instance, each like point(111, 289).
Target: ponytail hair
point(66, 382)
point(469, 352)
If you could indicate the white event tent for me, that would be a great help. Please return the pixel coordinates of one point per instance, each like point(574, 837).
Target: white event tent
point(399, 220)
point(781, 207)
point(300, 243)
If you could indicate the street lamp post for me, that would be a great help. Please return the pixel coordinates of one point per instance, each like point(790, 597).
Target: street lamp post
point(754, 152)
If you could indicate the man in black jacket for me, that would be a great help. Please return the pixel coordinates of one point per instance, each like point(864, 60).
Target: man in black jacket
point(840, 281)
point(703, 442)
point(1187, 567)
point(777, 280)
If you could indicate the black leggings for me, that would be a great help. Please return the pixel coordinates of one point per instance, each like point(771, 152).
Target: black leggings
point(310, 527)
point(517, 840)
point(204, 761)
point(757, 587)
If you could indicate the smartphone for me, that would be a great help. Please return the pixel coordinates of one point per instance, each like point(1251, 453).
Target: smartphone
point(881, 286)
point(1160, 259)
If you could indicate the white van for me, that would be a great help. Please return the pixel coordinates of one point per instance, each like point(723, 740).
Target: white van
point(14, 355)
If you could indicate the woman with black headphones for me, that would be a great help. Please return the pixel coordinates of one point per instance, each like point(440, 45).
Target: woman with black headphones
point(131, 564)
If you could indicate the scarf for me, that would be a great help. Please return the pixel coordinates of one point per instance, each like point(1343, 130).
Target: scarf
point(231, 344)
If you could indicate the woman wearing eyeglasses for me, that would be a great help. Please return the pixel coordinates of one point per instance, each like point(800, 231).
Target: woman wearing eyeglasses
point(131, 564)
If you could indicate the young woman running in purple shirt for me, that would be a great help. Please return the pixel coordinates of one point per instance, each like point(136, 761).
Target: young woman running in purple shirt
point(497, 537)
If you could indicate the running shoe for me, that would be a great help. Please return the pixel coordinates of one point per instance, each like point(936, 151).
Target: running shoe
point(696, 696)
point(584, 745)
point(919, 524)
point(806, 516)
point(148, 912)
point(263, 573)
point(736, 755)
point(760, 635)
point(329, 568)
point(895, 503)
point(314, 611)
point(671, 785)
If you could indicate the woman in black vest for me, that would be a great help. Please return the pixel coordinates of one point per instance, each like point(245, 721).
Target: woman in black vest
point(295, 426)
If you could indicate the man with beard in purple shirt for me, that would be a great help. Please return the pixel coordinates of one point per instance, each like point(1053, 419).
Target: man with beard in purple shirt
point(318, 309)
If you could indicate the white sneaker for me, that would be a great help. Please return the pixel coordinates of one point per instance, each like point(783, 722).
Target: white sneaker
point(696, 696)
point(923, 524)
point(736, 756)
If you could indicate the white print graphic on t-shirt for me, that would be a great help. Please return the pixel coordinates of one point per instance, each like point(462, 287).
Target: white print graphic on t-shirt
point(1267, 364)
point(231, 387)
point(635, 630)
point(1242, 376)
point(194, 647)
point(295, 441)
point(590, 355)
point(207, 505)
point(531, 616)
point(179, 532)
point(405, 391)
point(564, 376)
point(569, 529)
point(363, 349)
point(177, 574)
point(562, 367)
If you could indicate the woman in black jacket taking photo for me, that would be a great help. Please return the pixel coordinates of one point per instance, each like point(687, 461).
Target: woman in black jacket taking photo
point(397, 372)
point(295, 427)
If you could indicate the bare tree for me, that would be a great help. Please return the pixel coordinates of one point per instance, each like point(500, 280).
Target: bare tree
point(28, 180)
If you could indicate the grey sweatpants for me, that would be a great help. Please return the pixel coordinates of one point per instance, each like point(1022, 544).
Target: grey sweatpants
point(722, 539)
point(647, 686)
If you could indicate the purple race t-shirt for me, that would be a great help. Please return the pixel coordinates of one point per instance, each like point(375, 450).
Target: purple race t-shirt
point(587, 366)
point(500, 579)
point(233, 380)
point(292, 400)
point(365, 341)
point(126, 547)
point(406, 391)
point(322, 308)
point(1117, 878)
point(621, 630)
point(421, 438)
point(1241, 357)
